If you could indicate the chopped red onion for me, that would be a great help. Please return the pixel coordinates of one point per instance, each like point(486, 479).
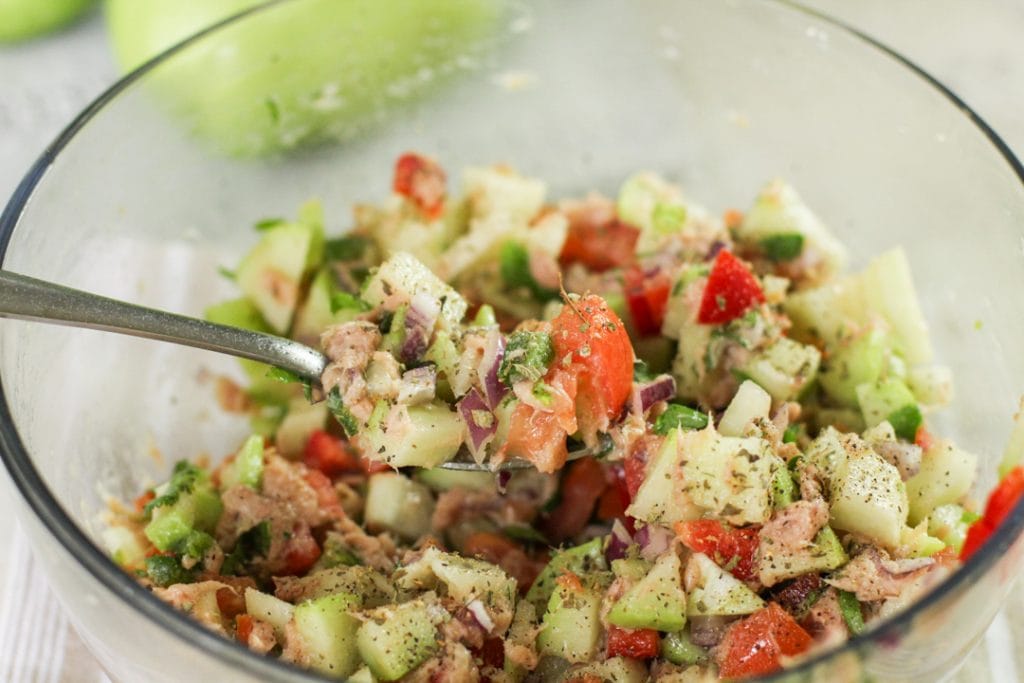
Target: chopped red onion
point(708, 631)
point(503, 479)
point(419, 326)
point(494, 352)
point(480, 421)
point(654, 540)
point(618, 542)
point(661, 388)
point(479, 612)
point(716, 246)
point(418, 385)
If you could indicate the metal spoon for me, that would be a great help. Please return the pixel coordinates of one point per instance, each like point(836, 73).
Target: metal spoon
point(27, 298)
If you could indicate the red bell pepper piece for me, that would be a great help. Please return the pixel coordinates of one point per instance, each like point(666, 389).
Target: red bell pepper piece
point(731, 290)
point(638, 643)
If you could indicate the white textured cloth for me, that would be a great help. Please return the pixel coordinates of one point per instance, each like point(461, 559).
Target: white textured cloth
point(974, 47)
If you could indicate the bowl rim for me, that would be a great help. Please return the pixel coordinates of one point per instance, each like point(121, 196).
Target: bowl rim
point(51, 514)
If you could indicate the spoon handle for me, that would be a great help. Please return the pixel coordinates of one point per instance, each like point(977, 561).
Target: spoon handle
point(27, 298)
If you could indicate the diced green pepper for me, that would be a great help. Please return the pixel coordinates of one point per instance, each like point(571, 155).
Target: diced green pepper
point(905, 421)
point(679, 649)
point(514, 265)
point(346, 248)
point(849, 606)
point(165, 570)
point(783, 246)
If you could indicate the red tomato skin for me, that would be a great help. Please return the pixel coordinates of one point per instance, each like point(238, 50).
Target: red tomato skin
point(493, 652)
point(142, 501)
point(1000, 504)
point(616, 498)
point(600, 246)
point(591, 342)
point(326, 495)
point(301, 552)
point(230, 602)
point(639, 643)
point(536, 436)
point(725, 545)
point(730, 291)
point(923, 438)
point(635, 465)
point(1005, 496)
point(755, 645)
point(581, 487)
point(977, 534)
point(647, 298)
point(421, 180)
point(329, 454)
point(243, 628)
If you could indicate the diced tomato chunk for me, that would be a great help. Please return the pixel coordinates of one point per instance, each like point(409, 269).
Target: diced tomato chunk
point(300, 552)
point(492, 653)
point(616, 498)
point(537, 436)
point(731, 548)
point(730, 291)
point(639, 643)
point(326, 494)
point(591, 342)
point(732, 218)
point(230, 602)
point(243, 628)
point(570, 581)
point(581, 488)
point(422, 181)
point(1002, 501)
point(647, 298)
point(923, 438)
point(329, 454)
point(755, 645)
point(1000, 504)
point(598, 245)
point(142, 501)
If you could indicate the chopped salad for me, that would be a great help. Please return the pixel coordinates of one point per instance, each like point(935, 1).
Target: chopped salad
point(759, 481)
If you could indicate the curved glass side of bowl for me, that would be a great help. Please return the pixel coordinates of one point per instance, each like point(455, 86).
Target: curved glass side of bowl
point(155, 186)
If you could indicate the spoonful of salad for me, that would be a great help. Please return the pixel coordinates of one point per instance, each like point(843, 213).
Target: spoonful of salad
point(397, 417)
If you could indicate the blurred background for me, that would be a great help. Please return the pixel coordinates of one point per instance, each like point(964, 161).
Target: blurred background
point(56, 56)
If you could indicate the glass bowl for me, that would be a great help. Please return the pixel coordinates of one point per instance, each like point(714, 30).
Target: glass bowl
point(134, 201)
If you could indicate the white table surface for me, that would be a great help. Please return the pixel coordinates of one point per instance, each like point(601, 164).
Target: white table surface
point(976, 47)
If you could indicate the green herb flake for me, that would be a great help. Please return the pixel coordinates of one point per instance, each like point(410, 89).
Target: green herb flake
point(906, 421)
point(342, 414)
point(641, 372)
point(183, 480)
point(527, 357)
point(347, 248)
point(678, 416)
point(165, 570)
point(791, 434)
